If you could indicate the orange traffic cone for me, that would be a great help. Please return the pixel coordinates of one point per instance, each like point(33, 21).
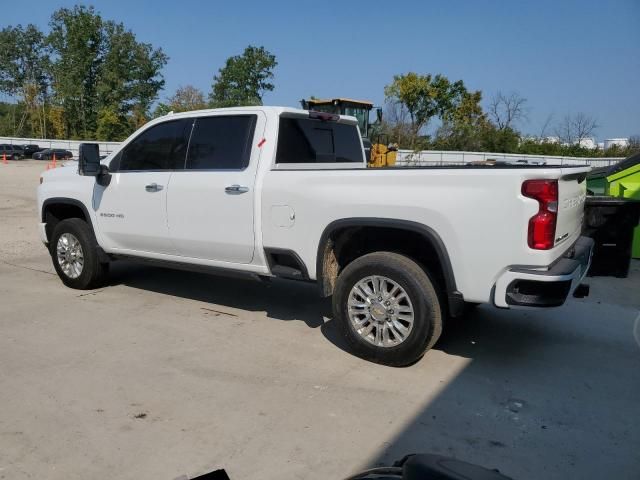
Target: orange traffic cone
point(4, 158)
point(54, 161)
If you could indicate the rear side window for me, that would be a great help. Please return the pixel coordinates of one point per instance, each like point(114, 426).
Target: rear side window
point(302, 140)
point(161, 147)
point(221, 142)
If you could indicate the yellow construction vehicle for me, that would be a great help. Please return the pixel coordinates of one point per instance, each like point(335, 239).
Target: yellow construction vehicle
point(378, 154)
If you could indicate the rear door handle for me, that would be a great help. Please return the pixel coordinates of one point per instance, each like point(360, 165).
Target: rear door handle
point(236, 189)
point(153, 187)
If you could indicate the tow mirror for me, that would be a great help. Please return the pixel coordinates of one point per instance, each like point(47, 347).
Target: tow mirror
point(89, 159)
point(90, 166)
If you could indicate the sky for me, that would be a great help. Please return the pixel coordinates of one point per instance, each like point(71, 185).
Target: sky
point(563, 56)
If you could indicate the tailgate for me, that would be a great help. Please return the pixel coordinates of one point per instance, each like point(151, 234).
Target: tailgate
point(572, 190)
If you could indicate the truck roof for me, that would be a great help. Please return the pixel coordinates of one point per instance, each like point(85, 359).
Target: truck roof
point(267, 109)
point(274, 109)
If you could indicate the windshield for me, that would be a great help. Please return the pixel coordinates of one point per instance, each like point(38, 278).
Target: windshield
point(363, 118)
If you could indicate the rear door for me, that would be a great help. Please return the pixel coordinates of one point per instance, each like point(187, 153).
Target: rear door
point(210, 204)
point(131, 211)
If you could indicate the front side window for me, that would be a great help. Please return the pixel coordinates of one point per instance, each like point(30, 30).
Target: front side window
point(161, 147)
point(306, 140)
point(221, 142)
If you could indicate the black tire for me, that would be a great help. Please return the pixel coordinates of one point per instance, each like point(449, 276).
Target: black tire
point(427, 306)
point(93, 274)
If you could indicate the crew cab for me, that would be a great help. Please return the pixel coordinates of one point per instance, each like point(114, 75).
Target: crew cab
point(281, 192)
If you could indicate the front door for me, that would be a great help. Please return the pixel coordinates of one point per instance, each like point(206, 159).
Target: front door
point(131, 211)
point(210, 204)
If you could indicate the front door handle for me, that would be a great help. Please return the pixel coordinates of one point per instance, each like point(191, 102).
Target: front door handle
point(236, 189)
point(153, 187)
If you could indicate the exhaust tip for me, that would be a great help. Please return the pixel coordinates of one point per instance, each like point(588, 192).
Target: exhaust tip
point(581, 291)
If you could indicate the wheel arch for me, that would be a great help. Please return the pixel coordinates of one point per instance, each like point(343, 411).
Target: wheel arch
point(328, 267)
point(56, 209)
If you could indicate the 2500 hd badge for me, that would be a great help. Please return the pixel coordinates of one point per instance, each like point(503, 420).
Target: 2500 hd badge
point(112, 215)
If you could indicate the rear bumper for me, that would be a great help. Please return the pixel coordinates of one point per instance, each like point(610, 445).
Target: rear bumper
point(520, 286)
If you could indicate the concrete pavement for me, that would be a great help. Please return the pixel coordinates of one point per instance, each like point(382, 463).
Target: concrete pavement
point(166, 373)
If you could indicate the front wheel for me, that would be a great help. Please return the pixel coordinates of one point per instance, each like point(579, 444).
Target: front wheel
point(387, 308)
point(74, 252)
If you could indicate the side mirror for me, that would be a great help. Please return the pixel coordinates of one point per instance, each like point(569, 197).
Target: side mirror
point(89, 159)
point(379, 114)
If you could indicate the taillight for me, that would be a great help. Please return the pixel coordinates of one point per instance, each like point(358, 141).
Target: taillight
point(542, 226)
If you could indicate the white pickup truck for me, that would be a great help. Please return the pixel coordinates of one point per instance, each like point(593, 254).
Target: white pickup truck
point(281, 192)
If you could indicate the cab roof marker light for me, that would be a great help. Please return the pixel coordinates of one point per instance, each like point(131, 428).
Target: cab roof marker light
point(324, 116)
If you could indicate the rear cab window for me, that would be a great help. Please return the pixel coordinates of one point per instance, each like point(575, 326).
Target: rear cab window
point(314, 141)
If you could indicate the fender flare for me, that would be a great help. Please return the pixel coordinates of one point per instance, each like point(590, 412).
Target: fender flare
point(454, 297)
point(65, 201)
point(102, 255)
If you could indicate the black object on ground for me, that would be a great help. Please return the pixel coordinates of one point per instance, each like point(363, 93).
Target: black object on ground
point(430, 467)
point(610, 222)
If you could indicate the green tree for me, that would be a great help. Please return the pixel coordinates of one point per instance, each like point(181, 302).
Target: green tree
point(24, 63)
point(147, 78)
point(187, 98)
point(161, 110)
point(78, 42)
point(100, 68)
point(10, 114)
point(244, 79)
point(112, 125)
point(464, 125)
point(130, 76)
point(424, 97)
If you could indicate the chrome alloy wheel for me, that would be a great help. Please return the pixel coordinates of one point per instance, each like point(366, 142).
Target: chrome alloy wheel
point(70, 256)
point(380, 311)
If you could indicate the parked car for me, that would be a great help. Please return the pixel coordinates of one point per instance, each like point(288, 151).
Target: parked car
point(14, 152)
point(48, 154)
point(30, 149)
point(281, 192)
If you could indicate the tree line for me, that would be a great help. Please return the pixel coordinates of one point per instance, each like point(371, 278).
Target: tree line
point(414, 102)
point(90, 78)
point(86, 77)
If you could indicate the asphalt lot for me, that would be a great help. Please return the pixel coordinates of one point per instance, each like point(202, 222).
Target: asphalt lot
point(166, 373)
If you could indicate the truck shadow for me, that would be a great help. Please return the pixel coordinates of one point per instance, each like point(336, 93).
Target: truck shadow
point(481, 332)
point(279, 299)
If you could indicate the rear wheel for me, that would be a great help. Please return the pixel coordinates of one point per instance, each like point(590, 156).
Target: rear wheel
point(387, 308)
point(74, 252)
